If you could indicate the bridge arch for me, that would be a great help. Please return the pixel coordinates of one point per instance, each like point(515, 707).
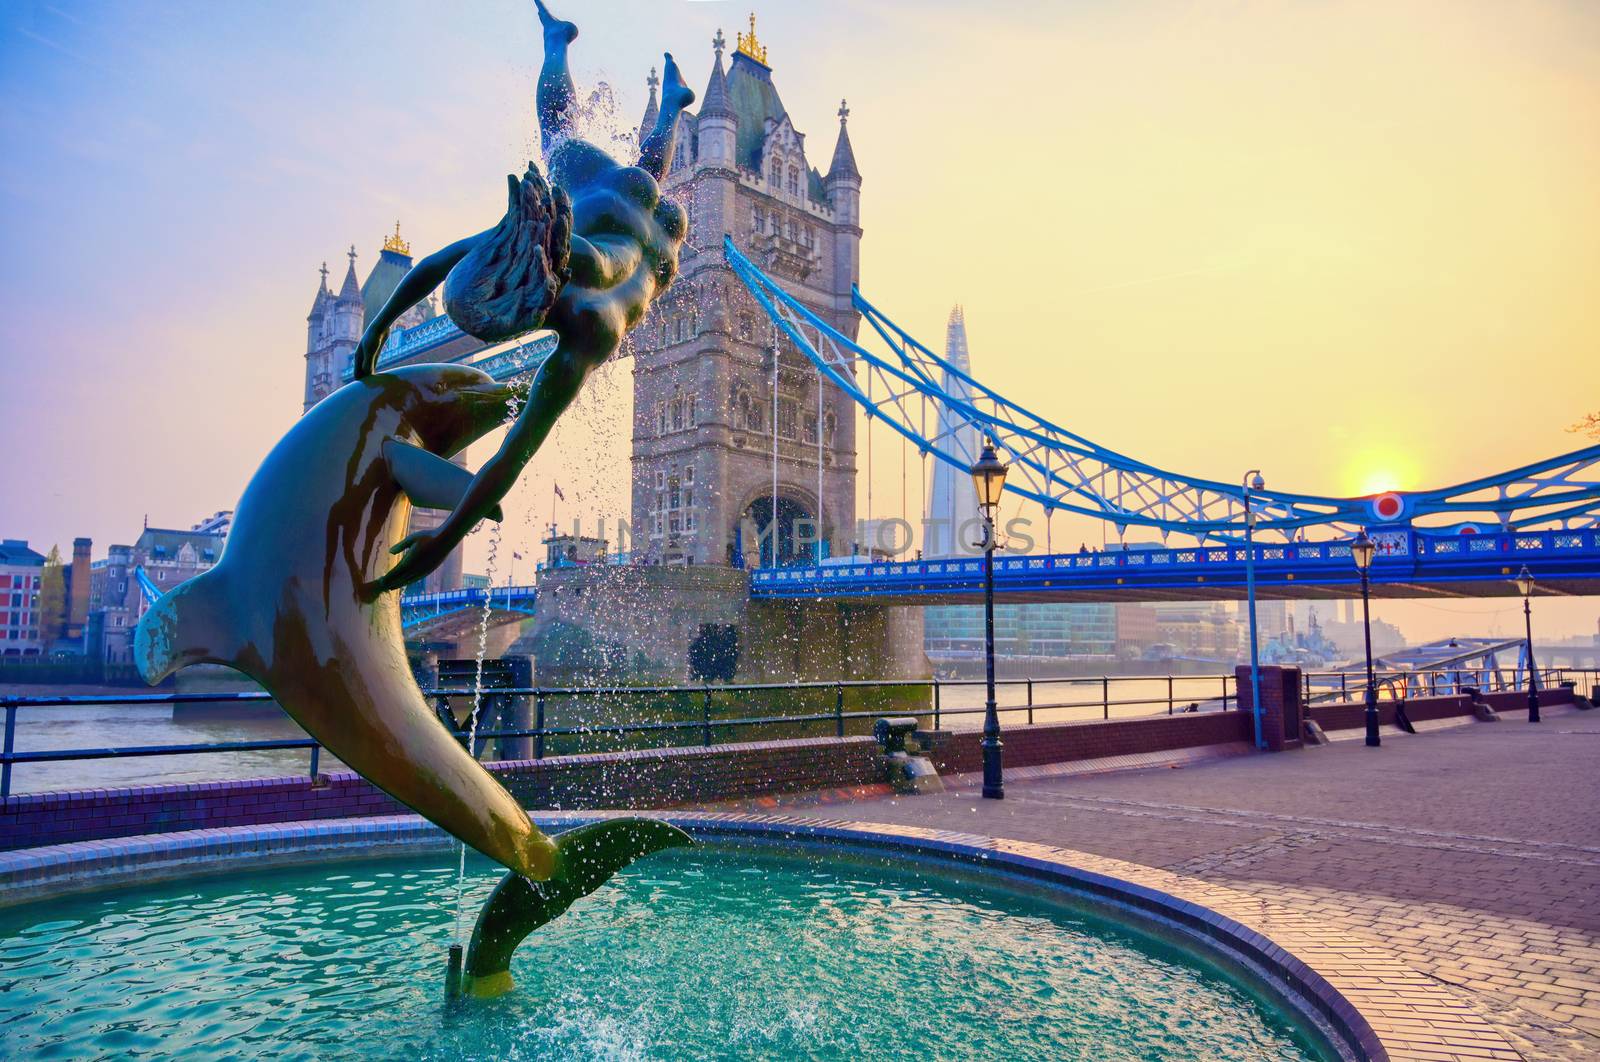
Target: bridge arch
point(797, 529)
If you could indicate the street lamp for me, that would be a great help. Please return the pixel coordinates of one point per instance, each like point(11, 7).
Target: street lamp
point(1361, 551)
point(1525, 584)
point(989, 478)
point(1252, 481)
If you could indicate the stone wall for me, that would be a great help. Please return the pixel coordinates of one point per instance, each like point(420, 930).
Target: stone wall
point(657, 610)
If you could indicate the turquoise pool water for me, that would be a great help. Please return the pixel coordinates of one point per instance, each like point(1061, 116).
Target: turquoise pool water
point(699, 954)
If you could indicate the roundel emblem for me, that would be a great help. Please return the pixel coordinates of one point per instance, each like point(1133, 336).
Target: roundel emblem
point(1388, 506)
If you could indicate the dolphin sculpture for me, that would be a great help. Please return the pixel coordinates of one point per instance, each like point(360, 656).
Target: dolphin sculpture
point(294, 603)
point(591, 854)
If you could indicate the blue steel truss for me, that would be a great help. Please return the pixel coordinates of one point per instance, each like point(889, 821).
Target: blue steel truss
point(417, 609)
point(147, 587)
point(1064, 472)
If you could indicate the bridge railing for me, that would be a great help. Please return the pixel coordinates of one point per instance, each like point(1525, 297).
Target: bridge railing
point(566, 720)
point(1401, 546)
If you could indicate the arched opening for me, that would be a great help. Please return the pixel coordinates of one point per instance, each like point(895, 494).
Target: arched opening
point(795, 538)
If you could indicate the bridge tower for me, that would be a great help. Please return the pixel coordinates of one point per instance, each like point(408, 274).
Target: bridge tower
point(706, 418)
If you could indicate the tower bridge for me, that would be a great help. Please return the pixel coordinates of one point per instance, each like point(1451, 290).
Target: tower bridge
point(750, 372)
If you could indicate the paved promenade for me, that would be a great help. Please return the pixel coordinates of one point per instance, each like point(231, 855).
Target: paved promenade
point(1472, 851)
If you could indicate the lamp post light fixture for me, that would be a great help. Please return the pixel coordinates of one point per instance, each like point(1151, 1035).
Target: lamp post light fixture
point(1525, 584)
point(1361, 551)
point(1252, 481)
point(989, 478)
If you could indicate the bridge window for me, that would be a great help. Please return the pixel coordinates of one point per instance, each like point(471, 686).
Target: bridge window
point(760, 220)
point(689, 413)
point(809, 425)
point(794, 181)
point(747, 326)
point(661, 418)
point(828, 426)
point(775, 174)
point(786, 417)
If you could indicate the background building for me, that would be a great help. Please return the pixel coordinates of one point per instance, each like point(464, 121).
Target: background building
point(164, 557)
point(21, 569)
point(952, 527)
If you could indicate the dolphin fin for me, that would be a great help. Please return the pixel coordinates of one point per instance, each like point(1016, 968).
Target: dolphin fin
point(429, 480)
point(187, 625)
point(586, 858)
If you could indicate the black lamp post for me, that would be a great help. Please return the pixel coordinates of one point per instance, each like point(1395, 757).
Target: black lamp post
point(1361, 551)
point(989, 477)
point(1525, 584)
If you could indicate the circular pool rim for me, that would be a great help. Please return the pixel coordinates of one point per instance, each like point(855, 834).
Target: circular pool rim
point(1247, 955)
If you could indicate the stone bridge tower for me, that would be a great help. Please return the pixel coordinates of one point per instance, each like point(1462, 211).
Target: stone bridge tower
point(706, 418)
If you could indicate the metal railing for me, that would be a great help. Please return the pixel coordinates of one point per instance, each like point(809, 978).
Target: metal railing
point(1028, 701)
point(698, 711)
point(1350, 687)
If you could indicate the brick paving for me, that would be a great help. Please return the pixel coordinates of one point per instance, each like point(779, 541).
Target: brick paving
point(1471, 852)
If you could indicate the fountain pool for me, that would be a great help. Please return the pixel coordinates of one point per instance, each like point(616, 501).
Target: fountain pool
point(710, 952)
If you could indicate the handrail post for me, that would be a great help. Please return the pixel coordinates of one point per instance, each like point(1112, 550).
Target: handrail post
point(538, 725)
point(705, 717)
point(1030, 702)
point(936, 703)
point(10, 747)
point(1105, 696)
point(316, 758)
point(838, 711)
point(1169, 694)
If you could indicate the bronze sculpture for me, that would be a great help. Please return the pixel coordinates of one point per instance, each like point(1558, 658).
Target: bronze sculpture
point(305, 598)
point(622, 252)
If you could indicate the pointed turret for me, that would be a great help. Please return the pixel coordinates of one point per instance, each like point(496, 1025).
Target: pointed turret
point(844, 157)
point(716, 127)
point(351, 288)
point(319, 303)
point(715, 102)
point(843, 185)
point(652, 110)
point(345, 312)
point(319, 312)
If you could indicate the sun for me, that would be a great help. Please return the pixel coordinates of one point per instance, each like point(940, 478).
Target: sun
point(1379, 481)
point(1373, 471)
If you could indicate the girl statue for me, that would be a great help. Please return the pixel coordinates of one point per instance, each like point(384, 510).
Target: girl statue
point(584, 258)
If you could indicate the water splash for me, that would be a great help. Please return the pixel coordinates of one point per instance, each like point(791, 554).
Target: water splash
point(513, 408)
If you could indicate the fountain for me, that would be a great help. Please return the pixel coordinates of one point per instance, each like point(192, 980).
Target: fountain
point(771, 937)
point(314, 538)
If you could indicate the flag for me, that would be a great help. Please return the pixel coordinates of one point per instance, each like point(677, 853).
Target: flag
point(557, 487)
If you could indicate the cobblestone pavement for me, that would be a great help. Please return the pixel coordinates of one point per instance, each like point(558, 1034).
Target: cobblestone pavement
point(1472, 852)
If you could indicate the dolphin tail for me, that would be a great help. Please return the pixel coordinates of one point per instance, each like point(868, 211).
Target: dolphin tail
point(185, 626)
point(586, 858)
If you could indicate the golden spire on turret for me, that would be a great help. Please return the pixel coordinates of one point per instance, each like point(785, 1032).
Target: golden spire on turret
point(748, 45)
point(396, 244)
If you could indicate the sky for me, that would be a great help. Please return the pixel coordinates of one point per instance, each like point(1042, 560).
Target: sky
point(1354, 244)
